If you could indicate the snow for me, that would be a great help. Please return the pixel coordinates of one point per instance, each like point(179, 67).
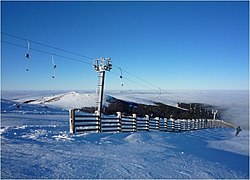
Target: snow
point(234, 145)
point(67, 100)
point(38, 145)
point(44, 152)
point(235, 104)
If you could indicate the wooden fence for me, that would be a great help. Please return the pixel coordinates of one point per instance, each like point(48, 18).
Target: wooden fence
point(81, 122)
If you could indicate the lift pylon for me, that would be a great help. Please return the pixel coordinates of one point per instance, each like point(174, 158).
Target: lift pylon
point(101, 65)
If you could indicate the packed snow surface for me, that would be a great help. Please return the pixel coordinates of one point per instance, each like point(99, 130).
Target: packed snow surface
point(35, 151)
point(35, 143)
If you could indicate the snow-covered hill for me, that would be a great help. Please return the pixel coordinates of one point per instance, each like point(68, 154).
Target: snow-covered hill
point(65, 100)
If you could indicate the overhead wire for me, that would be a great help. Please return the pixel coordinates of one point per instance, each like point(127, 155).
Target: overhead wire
point(155, 89)
point(84, 56)
point(135, 76)
point(49, 46)
point(135, 82)
point(151, 84)
point(85, 62)
point(46, 52)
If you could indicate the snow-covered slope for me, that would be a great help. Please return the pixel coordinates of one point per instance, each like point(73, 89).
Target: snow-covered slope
point(49, 151)
point(66, 100)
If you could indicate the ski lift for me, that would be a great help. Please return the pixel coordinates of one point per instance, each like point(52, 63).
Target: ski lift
point(54, 66)
point(27, 55)
point(121, 73)
point(121, 79)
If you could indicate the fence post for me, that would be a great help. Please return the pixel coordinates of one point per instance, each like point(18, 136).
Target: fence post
point(188, 124)
point(165, 124)
point(135, 121)
point(177, 125)
point(183, 124)
point(212, 123)
point(199, 123)
point(157, 121)
point(170, 124)
point(98, 119)
point(119, 117)
point(72, 121)
point(147, 122)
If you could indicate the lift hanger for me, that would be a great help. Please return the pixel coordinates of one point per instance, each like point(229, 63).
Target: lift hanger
point(27, 55)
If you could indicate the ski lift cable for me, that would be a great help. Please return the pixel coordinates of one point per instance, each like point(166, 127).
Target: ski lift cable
point(72, 58)
point(135, 82)
point(149, 83)
point(53, 47)
point(121, 76)
point(84, 56)
point(46, 52)
point(155, 89)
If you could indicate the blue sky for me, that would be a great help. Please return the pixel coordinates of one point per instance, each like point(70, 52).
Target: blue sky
point(171, 45)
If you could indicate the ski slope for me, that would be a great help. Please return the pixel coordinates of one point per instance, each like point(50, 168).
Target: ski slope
point(49, 151)
point(35, 143)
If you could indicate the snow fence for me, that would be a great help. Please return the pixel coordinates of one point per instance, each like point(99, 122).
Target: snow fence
point(80, 122)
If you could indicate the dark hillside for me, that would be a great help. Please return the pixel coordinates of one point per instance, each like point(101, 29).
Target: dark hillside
point(183, 111)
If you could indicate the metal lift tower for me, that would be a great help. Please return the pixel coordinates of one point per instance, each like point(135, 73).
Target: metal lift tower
point(101, 65)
